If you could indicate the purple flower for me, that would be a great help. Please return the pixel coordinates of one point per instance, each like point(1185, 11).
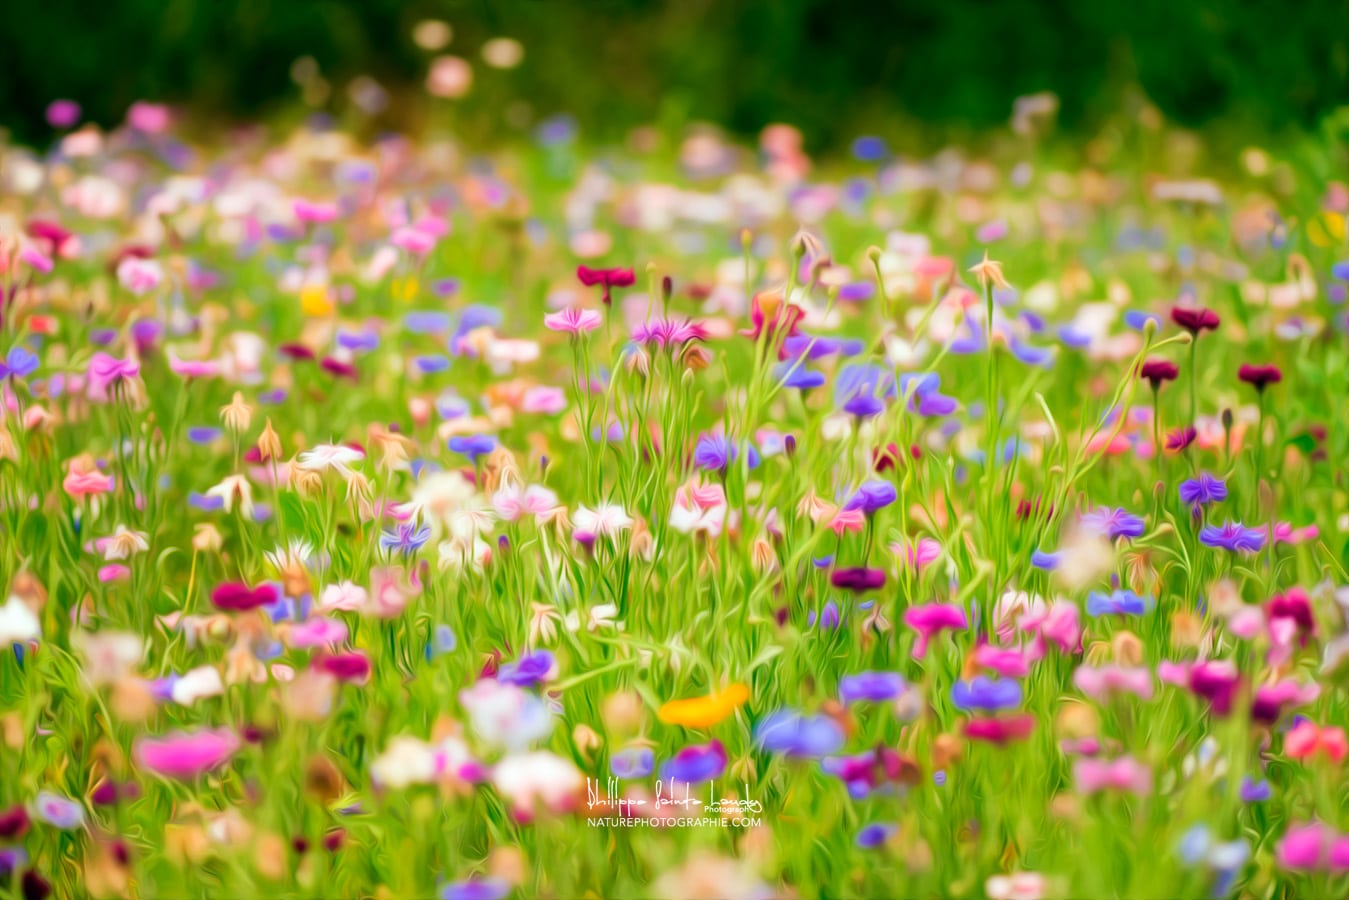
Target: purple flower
point(633, 762)
point(1233, 537)
point(473, 445)
point(1046, 560)
point(476, 889)
point(874, 835)
point(796, 375)
point(872, 496)
point(715, 453)
point(829, 618)
point(1202, 490)
point(1118, 603)
point(799, 735)
point(528, 670)
point(861, 389)
point(1255, 791)
point(858, 579)
point(20, 362)
point(697, 762)
point(1114, 523)
point(57, 811)
point(874, 686)
point(986, 694)
point(406, 538)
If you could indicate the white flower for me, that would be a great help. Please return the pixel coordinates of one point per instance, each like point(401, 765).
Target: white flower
point(17, 623)
point(235, 488)
point(436, 497)
point(473, 518)
point(337, 457)
point(108, 655)
point(540, 778)
point(505, 715)
point(405, 762)
point(459, 554)
point(197, 684)
point(124, 544)
point(600, 616)
point(512, 502)
point(346, 596)
point(1017, 886)
point(604, 521)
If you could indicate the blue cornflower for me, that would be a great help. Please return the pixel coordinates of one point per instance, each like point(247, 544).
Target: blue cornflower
point(1114, 523)
point(874, 835)
point(1046, 560)
point(869, 148)
point(634, 762)
point(1233, 537)
point(1202, 490)
point(528, 670)
point(987, 694)
point(872, 496)
point(406, 538)
point(715, 453)
point(874, 686)
point(473, 445)
point(442, 641)
point(490, 888)
point(1117, 603)
point(795, 375)
point(861, 389)
point(1253, 791)
point(20, 362)
point(799, 735)
point(697, 762)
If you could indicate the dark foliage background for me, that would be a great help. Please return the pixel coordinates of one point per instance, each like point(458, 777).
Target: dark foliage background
point(833, 67)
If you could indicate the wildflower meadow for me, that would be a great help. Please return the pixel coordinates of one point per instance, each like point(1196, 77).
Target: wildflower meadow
point(397, 517)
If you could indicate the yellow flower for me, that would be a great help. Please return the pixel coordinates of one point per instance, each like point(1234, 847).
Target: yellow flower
point(315, 300)
point(405, 289)
point(704, 712)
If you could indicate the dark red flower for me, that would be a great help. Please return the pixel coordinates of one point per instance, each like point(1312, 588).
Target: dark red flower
point(295, 351)
point(1195, 319)
point(889, 456)
point(333, 840)
point(338, 368)
point(1158, 371)
point(13, 823)
point(1295, 605)
point(34, 887)
point(1260, 377)
point(235, 596)
point(607, 278)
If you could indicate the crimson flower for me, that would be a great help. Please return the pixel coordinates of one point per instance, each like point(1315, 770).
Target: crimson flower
point(1195, 319)
point(1157, 372)
point(1260, 377)
point(607, 278)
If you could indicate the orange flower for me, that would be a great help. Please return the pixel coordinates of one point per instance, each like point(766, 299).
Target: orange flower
point(704, 712)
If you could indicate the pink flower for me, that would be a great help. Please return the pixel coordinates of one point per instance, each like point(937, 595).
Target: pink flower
point(917, 555)
point(545, 400)
point(699, 508)
point(1103, 680)
point(187, 754)
point(573, 320)
point(390, 592)
point(317, 213)
point(113, 572)
point(139, 276)
point(1309, 739)
point(86, 484)
point(193, 368)
point(1124, 774)
point(1059, 625)
point(108, 371)
point(317, 632)
point(932, 618)
point(37, 260)
point(345, 596)
point(150, 118)
point(846, 520)
point(413, 240)
point(1311, 846)
point(1285, 533)
point(1009, 662)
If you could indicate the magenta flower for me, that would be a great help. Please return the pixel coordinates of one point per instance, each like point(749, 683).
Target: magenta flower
point(187, 754)
point(1060, 625)
point(932, 618)
point(1000, 729)
point(108, 371)
point(234, 596)
point(669, 333)
point(573, 321)
point(1313, 847)
point(607, 278)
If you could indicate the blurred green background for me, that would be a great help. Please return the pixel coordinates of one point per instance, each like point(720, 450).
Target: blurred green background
point(836, 68)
